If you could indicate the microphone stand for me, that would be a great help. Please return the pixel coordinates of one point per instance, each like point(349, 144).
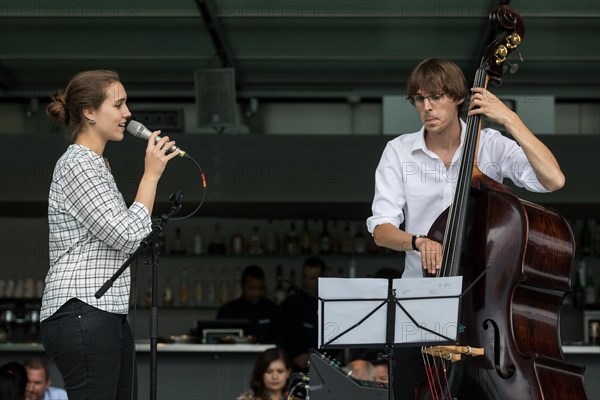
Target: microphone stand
point(149, 241)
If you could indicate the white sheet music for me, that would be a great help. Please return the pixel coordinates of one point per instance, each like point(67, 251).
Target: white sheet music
point(360, 296)
point(341, 315)
point(437, 314)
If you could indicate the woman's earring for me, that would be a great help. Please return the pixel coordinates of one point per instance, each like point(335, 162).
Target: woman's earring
point(91, 121)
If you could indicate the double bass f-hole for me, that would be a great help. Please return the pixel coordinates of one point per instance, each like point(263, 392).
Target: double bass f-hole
point(493, 335)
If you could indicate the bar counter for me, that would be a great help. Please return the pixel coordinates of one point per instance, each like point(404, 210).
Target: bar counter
point(184, 371)
point(222, 371)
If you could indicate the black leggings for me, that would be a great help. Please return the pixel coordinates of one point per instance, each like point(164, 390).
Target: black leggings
point(93, 350)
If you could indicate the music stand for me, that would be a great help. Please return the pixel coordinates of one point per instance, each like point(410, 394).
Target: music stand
point(414, 312)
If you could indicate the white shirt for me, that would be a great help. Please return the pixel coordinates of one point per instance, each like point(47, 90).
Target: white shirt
point(413, 186)
point(92, 232)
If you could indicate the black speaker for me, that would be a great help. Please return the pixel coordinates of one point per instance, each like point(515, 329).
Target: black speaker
point(215, 96)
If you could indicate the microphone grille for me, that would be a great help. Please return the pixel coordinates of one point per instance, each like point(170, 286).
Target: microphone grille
point(135, 128)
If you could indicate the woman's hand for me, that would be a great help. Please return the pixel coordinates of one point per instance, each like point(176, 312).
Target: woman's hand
point(154, 165)
point(156, 155)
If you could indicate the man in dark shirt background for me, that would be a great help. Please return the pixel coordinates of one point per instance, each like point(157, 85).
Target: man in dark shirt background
point(264, 315)
point(300, 315)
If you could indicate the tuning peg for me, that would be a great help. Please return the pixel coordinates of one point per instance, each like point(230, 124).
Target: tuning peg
point(512, 68)
point(520, 56)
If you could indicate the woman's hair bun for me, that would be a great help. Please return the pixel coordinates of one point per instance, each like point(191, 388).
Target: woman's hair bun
point(57, 109)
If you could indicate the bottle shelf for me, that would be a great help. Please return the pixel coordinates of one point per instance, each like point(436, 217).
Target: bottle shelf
point(285, 256)
point(279, 210)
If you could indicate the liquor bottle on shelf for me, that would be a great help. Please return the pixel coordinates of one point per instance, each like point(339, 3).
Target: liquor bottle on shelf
point(39, 288)
point(237, 243)
point(578, 288)
point(347, 240)
point(352, 268)
point(211, 290)
point(271, 240)
point(197, 242)
point(279, 293)
point(184, 289)
point(281, 240)
point(177, 247)
point(236, 286)
point(217, 244)
point(325, 240)
point(198, 289)
point(148, 298)
point(590, 289)
point(167, 293)
point(360, 246)
point(255, 247)
point(585, 238)
point(305, 239)
point(292, 243)
point(223, 288)
point(336, 241)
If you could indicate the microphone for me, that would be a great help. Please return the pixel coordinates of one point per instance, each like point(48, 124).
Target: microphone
point(140, 131)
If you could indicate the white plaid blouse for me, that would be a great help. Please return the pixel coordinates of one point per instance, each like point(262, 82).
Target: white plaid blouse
point(92, 232)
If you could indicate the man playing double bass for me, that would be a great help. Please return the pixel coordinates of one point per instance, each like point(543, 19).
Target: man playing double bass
point(417, 175)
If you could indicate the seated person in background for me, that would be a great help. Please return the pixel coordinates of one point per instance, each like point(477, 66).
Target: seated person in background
point(379, 363)
point(270, 376)
point(13, 380)
point(263, 314)
point(300, 315)
point(361, 370)
point(381, 371)
point(38, 382)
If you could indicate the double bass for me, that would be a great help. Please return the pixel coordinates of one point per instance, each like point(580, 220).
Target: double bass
point(516, 259)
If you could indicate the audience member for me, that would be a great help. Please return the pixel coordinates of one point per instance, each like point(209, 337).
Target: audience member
point(263, 314)
point(270, 376)
point(300, 315)
point(13, 380)
point(381, 371)
point(361, 370)
point(39, 382)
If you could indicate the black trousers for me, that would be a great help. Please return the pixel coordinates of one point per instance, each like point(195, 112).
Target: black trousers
point(93, 350)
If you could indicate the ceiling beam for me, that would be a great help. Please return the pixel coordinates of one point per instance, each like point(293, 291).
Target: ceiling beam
point(218, 36)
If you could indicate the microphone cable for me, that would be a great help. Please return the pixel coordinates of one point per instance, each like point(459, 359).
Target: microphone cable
point(203, 191)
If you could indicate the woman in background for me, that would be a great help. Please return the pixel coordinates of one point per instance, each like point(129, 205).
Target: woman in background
point(13, 380)
point(269, 377)
point(92, 232)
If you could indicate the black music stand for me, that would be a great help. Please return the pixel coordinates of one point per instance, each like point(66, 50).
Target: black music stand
point(395, 304)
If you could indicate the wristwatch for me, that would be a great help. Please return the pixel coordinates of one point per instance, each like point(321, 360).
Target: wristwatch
point(414, 241)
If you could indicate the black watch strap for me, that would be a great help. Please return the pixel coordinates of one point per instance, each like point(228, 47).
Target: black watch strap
point(414, 241)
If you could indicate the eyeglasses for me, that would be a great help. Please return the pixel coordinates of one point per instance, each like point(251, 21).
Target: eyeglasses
point(433, 98)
